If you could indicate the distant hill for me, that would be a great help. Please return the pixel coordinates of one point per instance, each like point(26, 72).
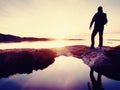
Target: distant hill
point(7, 38)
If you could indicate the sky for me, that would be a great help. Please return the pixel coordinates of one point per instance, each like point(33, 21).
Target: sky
point(55, 18)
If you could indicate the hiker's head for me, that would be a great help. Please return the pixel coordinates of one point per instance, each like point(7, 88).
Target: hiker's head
point(100, 9)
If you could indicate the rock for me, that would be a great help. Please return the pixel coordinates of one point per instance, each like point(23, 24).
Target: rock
point(105, 61)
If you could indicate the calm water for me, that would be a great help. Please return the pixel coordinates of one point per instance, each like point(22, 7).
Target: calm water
point(109, 40)
point(66, 73)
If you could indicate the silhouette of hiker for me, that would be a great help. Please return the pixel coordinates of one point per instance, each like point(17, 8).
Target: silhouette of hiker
point(96, 84)
point(99, 20)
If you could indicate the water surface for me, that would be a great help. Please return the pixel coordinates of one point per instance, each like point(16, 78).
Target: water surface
point(66, 73)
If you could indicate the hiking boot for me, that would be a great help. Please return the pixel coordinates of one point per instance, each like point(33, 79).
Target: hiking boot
point(92, 47)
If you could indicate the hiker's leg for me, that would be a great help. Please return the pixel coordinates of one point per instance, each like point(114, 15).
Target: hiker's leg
point(101, 38)
point(93, 38)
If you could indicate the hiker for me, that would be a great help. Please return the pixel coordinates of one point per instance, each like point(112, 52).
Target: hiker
point(99, 20)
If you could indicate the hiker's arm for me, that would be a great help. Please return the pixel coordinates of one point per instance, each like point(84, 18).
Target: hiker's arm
point(92, 21)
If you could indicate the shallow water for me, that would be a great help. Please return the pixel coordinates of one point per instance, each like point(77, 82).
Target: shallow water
point(66, 73)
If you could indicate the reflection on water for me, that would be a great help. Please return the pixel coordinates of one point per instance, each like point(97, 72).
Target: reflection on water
point(96, 83)
point(99, 82)
point(66, 73)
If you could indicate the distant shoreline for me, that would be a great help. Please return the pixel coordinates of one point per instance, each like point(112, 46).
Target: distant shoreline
point(7, 38)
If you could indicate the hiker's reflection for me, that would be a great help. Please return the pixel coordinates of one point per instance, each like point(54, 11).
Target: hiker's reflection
point(96, 83)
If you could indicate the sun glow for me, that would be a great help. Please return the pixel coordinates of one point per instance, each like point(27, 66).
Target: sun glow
point(53, 18)
point(59, 34)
